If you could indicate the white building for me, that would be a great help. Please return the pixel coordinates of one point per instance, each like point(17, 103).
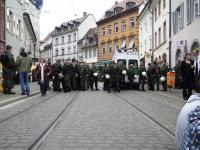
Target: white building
point(66, 37)
point(185, 23)
point(88, 46)
point(46, 48)
point(145, 32)
point(160, 30)
point(22, 26)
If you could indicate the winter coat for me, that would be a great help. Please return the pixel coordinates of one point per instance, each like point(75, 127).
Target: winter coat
point(23, 63)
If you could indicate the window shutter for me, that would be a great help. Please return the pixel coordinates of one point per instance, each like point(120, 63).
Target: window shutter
point(14, 24)
point(192, 10)
point(188, 11)
point(174, 26)
point(7, 20)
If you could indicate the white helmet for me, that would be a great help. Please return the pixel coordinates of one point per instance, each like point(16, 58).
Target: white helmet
point(144, 73)
point(107, 76)
point(124, 72)
point(95, 74)
point(61, 76)
point(162, 79)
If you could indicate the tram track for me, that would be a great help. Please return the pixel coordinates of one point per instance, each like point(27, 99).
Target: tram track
point(147, 116)
point(40, 139)
point(28, 108)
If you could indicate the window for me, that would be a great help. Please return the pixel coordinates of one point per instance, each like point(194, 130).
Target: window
point(86, 54)
point(74, 48)
point(116, 28)
point(103, 49)
point(159, 36)
point(10, 21)
point(131, 43)
point(63, 40)
point(178, 18)
point(103, 31)
point(74, 37)
point(69, 38)
point(155, 14)
point(132, 23)
point(63, 51)
point(159, 7)
point(110, 48)
point(164, 31)
point(116, 45)
point(109, 30)
point(69, 50)
point(124, 26)
point(155, 40)
point(94, 53)
point(164, 4)
point(18, 30)
point(196, 8)
point(56, 52)
point(90, 53)
point(56, 41)
point(123, 46)
point(188, 4)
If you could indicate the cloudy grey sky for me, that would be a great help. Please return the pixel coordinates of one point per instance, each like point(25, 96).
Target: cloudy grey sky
point(55, 12)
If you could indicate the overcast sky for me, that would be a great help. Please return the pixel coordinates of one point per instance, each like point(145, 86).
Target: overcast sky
point(55, 12)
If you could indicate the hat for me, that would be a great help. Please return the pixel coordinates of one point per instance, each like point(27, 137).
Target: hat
point(196, 49)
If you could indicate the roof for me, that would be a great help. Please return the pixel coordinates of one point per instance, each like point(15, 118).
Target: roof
point(47, 37)
point(122, 5)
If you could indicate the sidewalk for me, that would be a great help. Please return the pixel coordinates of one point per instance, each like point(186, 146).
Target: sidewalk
point(17, 88)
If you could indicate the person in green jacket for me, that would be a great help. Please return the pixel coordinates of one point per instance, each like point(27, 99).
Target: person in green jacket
point(93, 77)
point(9, 70)
point(24, 64)
point(83, 77)
point(66, 71)
point(142, 76)
point(56, 71)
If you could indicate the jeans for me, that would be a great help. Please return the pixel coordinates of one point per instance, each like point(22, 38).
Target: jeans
point(24, 82)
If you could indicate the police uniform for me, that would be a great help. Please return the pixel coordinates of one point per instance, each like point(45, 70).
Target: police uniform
point(56, 70)
point(115, 77)
point(142, 78)
point(164, 70)
point(66, 70)
point(83, 78)
point(106, 85)
point(93, 79)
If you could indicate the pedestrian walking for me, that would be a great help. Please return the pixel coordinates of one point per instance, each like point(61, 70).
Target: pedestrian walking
point(187, 73)
point(24, 64)
point(42, 74)
point(9, 70)
point(196, 53)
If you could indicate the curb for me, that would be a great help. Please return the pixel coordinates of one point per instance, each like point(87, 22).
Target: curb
point(16, 99)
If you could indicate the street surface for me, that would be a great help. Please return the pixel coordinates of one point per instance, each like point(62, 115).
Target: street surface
point(94, 121)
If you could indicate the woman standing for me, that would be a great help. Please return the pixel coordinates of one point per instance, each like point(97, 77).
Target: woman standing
point(187, 73)
point(42, 75)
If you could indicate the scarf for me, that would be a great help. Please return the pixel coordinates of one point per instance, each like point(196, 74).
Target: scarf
point(42, 72)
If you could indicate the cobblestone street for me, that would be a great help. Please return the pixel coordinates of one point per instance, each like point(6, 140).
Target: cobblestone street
point(95, 120)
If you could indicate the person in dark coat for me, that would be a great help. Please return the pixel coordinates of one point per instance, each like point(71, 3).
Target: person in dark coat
point(66, 71)
point(42, 75)
point(187, 73)
point(196, 53)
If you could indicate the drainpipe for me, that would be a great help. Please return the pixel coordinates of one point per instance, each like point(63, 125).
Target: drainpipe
point(170, 33)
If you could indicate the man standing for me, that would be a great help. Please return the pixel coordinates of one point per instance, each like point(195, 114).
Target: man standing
point(66, 70)
point(24, 64)
point(197, 69)
point(9, 68)
point(93, 77)
point(56, 71)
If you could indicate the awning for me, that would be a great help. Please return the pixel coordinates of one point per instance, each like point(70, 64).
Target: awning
point(131, 44)
point(123, 44)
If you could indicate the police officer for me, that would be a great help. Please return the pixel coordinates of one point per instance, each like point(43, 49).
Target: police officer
point(158, 75)
point(56, 71)
point(74, 75)
point(142, 76)
point(131, 75)
point(83, 77)
point(66, 70)
point(115, 77)
point(151, 76)
point(106, 78)
point(93, 77)
point(122, 76)
point(9, 69)
point(164, 70)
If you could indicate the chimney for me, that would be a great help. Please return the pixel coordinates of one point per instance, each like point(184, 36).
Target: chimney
point(84, 14)
point(116, 2)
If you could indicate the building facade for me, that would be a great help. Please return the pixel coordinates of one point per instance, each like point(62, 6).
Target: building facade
point(66, 37)
point(185, 23)
point(2, 25)
point(88, 46)
point(46, 48)
point(118, 29)
point(145, 33)
point(22, 26)
point(160, 30)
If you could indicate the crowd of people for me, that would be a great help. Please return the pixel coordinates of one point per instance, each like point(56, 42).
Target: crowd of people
point(72, 75)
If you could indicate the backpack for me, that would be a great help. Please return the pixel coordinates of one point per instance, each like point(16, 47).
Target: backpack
point(4, 60)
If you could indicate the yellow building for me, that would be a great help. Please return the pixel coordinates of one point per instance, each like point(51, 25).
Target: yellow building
point(118, 29)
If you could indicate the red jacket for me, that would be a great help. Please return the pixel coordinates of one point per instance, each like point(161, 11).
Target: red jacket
point(47, 72)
